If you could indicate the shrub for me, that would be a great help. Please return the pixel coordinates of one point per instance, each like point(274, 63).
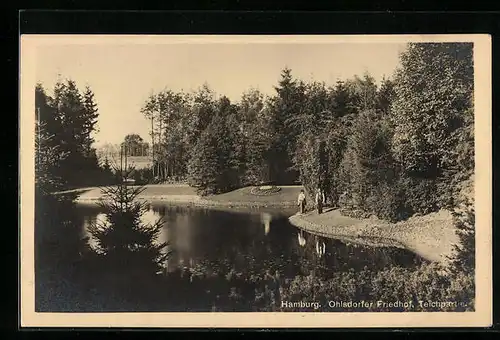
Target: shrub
point(142, 176)
point(395, 284)
point(420, 195)
point(463, 257)
point(387, 202)
point(453, 283)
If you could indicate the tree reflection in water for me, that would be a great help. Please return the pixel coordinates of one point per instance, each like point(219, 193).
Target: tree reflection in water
point(266, 220)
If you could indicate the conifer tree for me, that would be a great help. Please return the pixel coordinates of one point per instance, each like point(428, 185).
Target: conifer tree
point(385, 96)
point(214, 165)
point(48, 154)
point(71, 118)
point(58, 244)
point(283, 106)
point(342, 100)
point(89, 118)
point(128, 250)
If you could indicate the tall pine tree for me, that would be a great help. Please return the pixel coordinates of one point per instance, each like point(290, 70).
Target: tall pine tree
point(71, 117)
point(283, 106)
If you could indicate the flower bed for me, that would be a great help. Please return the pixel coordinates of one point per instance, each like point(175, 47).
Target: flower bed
point(265, 190)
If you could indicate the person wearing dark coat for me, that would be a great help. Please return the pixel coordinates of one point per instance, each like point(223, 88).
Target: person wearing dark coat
point(320, 200)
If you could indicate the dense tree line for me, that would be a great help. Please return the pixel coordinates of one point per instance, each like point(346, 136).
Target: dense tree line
point(70, 118)
point(392, 149)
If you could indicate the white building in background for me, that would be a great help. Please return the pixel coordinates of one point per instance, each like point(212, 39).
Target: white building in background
point(140, 158)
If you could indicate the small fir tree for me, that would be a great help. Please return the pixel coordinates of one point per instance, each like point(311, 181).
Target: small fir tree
point(128, 249)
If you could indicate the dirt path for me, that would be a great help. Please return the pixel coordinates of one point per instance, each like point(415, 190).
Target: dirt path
point(430, 236)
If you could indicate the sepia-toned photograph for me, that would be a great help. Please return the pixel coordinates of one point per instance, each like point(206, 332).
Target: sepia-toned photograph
point(253, 181)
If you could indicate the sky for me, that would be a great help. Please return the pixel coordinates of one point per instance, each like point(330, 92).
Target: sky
point(122, 76)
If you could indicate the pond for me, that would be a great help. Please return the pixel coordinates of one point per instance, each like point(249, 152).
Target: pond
point(254, 241)
point(221, 260)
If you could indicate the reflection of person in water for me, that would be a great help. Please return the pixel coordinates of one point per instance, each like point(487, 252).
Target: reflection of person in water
point(302, 240)
point(320, 247)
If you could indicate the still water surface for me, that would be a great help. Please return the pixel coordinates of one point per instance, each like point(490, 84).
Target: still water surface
point(254, 241)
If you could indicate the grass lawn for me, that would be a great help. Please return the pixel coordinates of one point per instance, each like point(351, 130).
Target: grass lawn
point(151, 190)
point(285, 195)
point(179, 193)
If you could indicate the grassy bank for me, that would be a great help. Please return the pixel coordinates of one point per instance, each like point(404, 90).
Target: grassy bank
point(430, 236)
point(185, 195)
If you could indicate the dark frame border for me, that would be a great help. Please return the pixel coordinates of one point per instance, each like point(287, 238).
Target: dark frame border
point(269, 22)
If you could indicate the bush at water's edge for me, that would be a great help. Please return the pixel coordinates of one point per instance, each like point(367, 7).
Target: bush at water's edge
point(453, 283)
point(411, 289)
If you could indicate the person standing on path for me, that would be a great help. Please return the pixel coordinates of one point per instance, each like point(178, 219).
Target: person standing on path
point(301, 202)
point(320, 200)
